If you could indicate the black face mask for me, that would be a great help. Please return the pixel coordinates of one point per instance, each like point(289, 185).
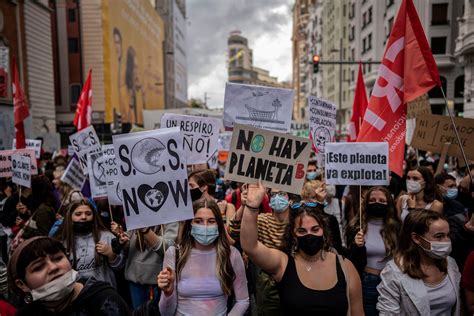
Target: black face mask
point(196, 194)
point(82, 228)
point(377, 209)
point(310, 244)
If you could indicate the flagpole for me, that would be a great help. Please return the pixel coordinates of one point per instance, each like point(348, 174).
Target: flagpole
point(457, 134)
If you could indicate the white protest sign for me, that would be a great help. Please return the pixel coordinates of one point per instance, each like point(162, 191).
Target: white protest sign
point(278, 159)
point(70, 150)
point(322, 123)
point(21, 171)
point(200, 135)
point(224, 141)
point(6, 161)
point(261, 107)
point(357, 164)
point(153, 178)
point(31, 144)
point(84, 142)
point(73, 174)
point(114, 193)
point(97, 181)
point(29, 153)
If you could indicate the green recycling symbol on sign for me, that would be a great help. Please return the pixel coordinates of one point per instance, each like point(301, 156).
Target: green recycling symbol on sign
point(257, 143)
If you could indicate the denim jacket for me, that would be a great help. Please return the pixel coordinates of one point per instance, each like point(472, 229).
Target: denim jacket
point(399, 294)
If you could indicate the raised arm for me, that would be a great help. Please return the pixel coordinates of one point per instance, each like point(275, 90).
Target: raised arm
point(270, 260)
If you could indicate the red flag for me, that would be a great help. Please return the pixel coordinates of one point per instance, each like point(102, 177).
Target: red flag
point(20, 108)
point(359, 107)
point(408, 70)
point(83, 115)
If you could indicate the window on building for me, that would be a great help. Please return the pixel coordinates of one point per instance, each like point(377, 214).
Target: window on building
point(352, 11)
point(390, 3)
point(363, 45)
point(459, 87)
point(75, 90)
point(344, 10)
point(352, 75)
point(71, 15)
point(353, 53)
point(73, 45)
point(369, 41)
point(439, 13)
point(369, 16)
point(436, 91)
point(390, 26)
point(364, 19)
point(438, 45)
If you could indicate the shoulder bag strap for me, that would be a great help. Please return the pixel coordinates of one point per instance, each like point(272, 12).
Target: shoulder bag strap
point(346, 277)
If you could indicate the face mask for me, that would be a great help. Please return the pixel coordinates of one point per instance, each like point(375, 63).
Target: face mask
point(279, 203)
point(310, 244)
point(413, 186)
point(204, 234)
point(438, 249)
point(196, 194)
point(451, 193)
point(312, 175)
point(377, 209)
point(82, 227)
point(56, 290)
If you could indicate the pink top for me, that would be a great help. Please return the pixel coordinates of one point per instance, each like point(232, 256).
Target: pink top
point(199, 289)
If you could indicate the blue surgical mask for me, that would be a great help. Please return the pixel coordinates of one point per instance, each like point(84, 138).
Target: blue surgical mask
point(279, 203)
point(452, 193)
point(312, 175)
point(204, 234)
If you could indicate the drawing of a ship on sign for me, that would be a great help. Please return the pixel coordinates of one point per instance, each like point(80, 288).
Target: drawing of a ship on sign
point(262, 108)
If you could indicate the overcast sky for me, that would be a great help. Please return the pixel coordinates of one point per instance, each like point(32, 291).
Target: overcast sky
point(267, 25)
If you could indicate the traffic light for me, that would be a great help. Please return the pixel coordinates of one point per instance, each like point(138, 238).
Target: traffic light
point(316, 59)
point(117, 124)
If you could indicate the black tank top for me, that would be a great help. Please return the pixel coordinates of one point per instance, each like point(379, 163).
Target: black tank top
point(297, 299)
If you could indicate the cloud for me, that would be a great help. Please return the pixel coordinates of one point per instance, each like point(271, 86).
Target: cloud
point(267, 24)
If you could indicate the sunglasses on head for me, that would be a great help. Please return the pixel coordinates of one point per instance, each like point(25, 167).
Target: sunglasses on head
point(298, 205)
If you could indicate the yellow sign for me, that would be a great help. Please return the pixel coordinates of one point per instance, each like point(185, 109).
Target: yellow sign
point(133, 59)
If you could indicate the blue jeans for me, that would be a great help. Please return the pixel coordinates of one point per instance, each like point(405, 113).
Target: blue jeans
point(369, 293)
point(140, 294)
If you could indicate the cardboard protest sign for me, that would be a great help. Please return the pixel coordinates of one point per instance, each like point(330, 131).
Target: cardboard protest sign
point(153, 178)
point(322, 123)
point(224, 141)
point(419, 107)
point(6, 161)
point(96, 168)
point(200, 135)
point(84, 142)
point(21, 170)
point(279, 160)
point(73, 174)
point(432, 131)
point(357, 164)
point(261, 107)
point(114, 193)
point(31, 144)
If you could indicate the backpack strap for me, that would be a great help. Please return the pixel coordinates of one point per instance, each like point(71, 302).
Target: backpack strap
point(346, 277)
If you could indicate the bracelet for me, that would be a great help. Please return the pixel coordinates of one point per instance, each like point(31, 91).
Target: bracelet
point(411, 209)
point(253, 209)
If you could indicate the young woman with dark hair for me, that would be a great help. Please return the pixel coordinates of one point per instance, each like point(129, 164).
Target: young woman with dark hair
point(421, 279)
point(204, 270)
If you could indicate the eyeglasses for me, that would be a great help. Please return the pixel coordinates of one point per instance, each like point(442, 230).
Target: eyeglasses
point(298, 205)
point(281, 193)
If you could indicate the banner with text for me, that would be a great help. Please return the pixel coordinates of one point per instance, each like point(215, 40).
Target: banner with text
point(96, 168)
point(73, 174)
point(21, 170)
point(114, 193)
point(357, 164)
point(84, 142)
point(279, 160)
point(153, 178)
point(34, 144)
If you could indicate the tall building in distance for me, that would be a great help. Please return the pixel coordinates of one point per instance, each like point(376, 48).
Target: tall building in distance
point(240, 65)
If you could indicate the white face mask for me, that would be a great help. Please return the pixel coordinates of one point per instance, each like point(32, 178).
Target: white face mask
point(438, 249)
point(56, 290)
point(413, 186)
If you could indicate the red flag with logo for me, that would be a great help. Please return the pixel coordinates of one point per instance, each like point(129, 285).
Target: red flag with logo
point(408, 70)
point(20, 108)
point(83, 115)
point(359, 107)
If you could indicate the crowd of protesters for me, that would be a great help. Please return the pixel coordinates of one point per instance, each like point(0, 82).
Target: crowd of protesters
point(404, 249)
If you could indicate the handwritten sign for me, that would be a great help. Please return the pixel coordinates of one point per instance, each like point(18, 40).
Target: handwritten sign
point(153, 178)
point(432, 131)
point(279, 160)
point(73, 174)
point(261, 107)
point(31, 144)
point(97, 181)
point(21, 170)
point(357, 164)
point(322, 123)
point(114, 193)
point(200, 135)
point(84, 142)
point(419, 107)
point(6, 161)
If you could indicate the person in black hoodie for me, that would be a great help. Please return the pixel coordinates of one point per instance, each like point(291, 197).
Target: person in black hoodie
point(40, 272)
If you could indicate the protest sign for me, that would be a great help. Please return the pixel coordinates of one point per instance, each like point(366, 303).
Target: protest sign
point(31, 144)
point(200, 135)
point(70, 150)
point(6, 161)
point(84, 142)
point(261, 107)
point(153, 178)
point(21, 170)
point(300, 129)
point(224, 141)
point(357, 164)
point(114, 192)
point(279, 160)
point(432, 131)
point(322, 123)
point(419, 107)
point(73, 174)
point(96, 168)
